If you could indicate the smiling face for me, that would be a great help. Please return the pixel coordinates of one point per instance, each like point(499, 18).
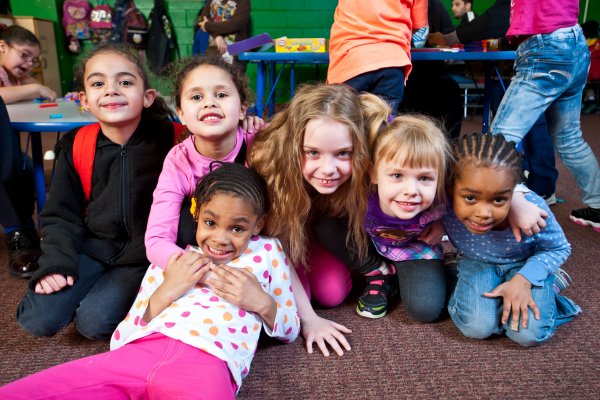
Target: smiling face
point(225, 225)
point(19, 59)
point(114, 91)
point(481, 198)
point(404, 192)
point(327, 149)
point(211, 109)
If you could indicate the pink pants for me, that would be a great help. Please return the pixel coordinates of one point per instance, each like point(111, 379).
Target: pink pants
point(329, 280)
point(154, 367)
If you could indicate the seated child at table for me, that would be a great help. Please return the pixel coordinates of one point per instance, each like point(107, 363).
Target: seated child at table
point(19, 53)
point(93, 255)
point(504, 286)
point(182, 339)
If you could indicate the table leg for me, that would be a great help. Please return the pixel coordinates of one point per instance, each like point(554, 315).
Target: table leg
point(292, 80)
point(272, 73)
point(260, 88)
point(38, 170)
point(487, 94)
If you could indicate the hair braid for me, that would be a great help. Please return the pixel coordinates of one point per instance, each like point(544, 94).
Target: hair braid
point(485, 151)
point(237, 180)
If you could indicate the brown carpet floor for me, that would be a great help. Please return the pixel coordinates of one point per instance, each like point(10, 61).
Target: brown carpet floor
point(391, 358)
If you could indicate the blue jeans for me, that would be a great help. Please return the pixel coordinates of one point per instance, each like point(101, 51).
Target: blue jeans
point(387, 83)
point(538, 159)
point(538, 151)
point(550, 74)
point(479, 317)
point(422, 288)
point(97, 302)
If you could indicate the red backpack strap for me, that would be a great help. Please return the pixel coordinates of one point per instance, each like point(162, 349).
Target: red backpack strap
point(178, 131)
point(84, 150)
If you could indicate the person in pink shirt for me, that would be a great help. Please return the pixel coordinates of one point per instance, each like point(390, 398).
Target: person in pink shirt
point(211, 100)
point(551, 68)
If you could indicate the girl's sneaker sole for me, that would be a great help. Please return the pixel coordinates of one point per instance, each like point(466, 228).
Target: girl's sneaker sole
point(367, 314)
point(582, 222)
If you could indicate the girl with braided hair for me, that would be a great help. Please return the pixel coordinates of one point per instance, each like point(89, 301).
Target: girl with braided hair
point(193, 329)
point(504, 286)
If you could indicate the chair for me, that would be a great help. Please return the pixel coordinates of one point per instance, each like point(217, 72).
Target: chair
point(473, 99)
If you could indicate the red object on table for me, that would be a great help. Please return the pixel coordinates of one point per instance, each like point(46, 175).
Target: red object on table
point(46, 105)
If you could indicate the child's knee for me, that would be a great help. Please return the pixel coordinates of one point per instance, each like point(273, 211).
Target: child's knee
point(425, 309)
point(534, 335)
point(330, 279)
point(95, 325)
point(474, 326)
point(40, 322)
point(330, 294)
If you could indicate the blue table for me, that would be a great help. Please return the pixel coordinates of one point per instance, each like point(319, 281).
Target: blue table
point(267, 63)
point(29, 117)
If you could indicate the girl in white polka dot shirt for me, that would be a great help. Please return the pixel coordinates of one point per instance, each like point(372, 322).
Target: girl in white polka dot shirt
point(194, 326)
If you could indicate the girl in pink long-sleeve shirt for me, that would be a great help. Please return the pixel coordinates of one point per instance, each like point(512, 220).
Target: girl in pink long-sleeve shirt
point(211, 99)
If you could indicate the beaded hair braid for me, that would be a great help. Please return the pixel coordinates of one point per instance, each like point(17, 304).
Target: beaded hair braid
point(488, 151)
point(233, 179)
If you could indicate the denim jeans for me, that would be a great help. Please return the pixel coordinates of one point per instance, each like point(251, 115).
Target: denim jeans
point(97, 302)
point(422, 288)
point(538, 159)
point(538, 150)
point(387, 83)
point(550, 74)
point(479, 317)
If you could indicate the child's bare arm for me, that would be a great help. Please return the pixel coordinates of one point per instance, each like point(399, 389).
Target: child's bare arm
point(525, 216)
point(29, 91)
point(316, 329)
point(53, 283)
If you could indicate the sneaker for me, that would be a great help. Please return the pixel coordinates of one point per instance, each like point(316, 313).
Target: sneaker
point(561, 280)
point(550, 200)
point(23, 252)
point(587, 217)
point(373, 302)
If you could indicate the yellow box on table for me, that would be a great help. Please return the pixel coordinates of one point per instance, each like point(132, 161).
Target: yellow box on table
point(305, 45)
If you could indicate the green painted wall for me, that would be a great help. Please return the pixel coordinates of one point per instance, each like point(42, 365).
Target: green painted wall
point(298, 18)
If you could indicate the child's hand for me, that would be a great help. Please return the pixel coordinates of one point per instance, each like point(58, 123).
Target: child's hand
point(433, 233)
point(241, 288)
point(45, 91)
point(221, 44)
point(322, 332)
point(183, 271)
point(202, 24)
point(525, 216)
point(53, 283)
point(252, 124)
point(437, 39)
point(517, 297)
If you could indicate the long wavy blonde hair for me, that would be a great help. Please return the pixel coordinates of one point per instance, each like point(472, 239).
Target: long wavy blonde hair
point(277, 154)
